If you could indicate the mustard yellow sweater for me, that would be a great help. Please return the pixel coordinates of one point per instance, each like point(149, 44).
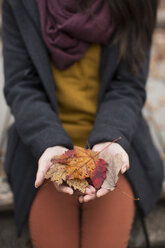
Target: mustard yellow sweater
point(77, 92)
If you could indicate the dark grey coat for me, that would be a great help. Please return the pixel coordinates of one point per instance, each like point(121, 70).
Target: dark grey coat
point(29, 91)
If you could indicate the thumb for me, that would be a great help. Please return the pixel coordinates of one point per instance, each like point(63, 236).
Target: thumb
point(43, 167)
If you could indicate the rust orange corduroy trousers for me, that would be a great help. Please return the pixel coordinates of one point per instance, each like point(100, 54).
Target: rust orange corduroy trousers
point(105, 223)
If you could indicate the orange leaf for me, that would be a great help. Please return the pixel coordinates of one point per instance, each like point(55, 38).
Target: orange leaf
point(80, 162)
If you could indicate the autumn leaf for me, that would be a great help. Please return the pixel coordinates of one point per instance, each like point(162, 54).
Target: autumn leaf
point(81, 162)
point(78, 184)
point(99, 174)
point(112, 173)
point(57, 174)
point(65, 158)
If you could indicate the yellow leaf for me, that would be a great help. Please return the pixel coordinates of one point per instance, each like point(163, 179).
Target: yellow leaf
point(78, 184)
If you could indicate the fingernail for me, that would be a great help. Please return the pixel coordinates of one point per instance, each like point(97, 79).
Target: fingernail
point(36, 186)
point(98, 195)
point(124, 170)
point(70, 192)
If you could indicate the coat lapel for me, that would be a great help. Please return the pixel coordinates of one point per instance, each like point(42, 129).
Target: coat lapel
point(32, 10)
point(25, 14)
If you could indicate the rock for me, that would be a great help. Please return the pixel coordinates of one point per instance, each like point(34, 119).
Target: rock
point(8, 238)
point(155, 223)
point(161, 14)
point(6, 196)
point(163, 192)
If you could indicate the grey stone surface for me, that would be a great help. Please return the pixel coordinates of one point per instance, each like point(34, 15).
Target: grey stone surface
point(155, 223)
point(155, 112)
point(8, 238)
point(3, 106)
point(161, 14)
point(6, 196)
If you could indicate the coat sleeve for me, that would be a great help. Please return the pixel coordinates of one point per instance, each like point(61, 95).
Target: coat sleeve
point(121, 107)
point(37, 123)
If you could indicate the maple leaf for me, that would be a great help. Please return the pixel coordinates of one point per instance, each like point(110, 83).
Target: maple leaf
point(75, 165)
point(81, 162)
point(112, 173)
point(57, 174)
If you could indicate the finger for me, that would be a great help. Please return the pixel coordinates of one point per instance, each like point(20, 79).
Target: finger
point(123, 170)
point(42, 169)
point(89, 197)
point(125, 167)
point(102, 192)
point(90, 190)
point(39, 178)
point(86, 198)
point(64, 189)
point(81, 199)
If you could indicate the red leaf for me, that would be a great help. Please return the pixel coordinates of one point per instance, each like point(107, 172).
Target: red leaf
point(99, 173)
point(65, 158)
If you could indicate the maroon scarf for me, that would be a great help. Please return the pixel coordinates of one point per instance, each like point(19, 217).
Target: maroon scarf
point(68, 33)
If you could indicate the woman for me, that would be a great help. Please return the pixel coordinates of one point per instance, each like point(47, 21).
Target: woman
point(75, 69)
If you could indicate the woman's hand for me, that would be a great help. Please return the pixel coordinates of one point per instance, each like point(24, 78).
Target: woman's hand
point(44, 164)
point(107, 154)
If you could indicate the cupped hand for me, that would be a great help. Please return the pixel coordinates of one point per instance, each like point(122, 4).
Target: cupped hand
point(107, 154)
point(45, 163)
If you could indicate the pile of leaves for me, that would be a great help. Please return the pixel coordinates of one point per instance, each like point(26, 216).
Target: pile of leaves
point(80, 167)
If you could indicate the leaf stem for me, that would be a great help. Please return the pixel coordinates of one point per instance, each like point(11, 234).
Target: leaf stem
point(108, 146)
point(129, 196)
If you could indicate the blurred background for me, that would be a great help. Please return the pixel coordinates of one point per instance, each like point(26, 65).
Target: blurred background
point(154, 112)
